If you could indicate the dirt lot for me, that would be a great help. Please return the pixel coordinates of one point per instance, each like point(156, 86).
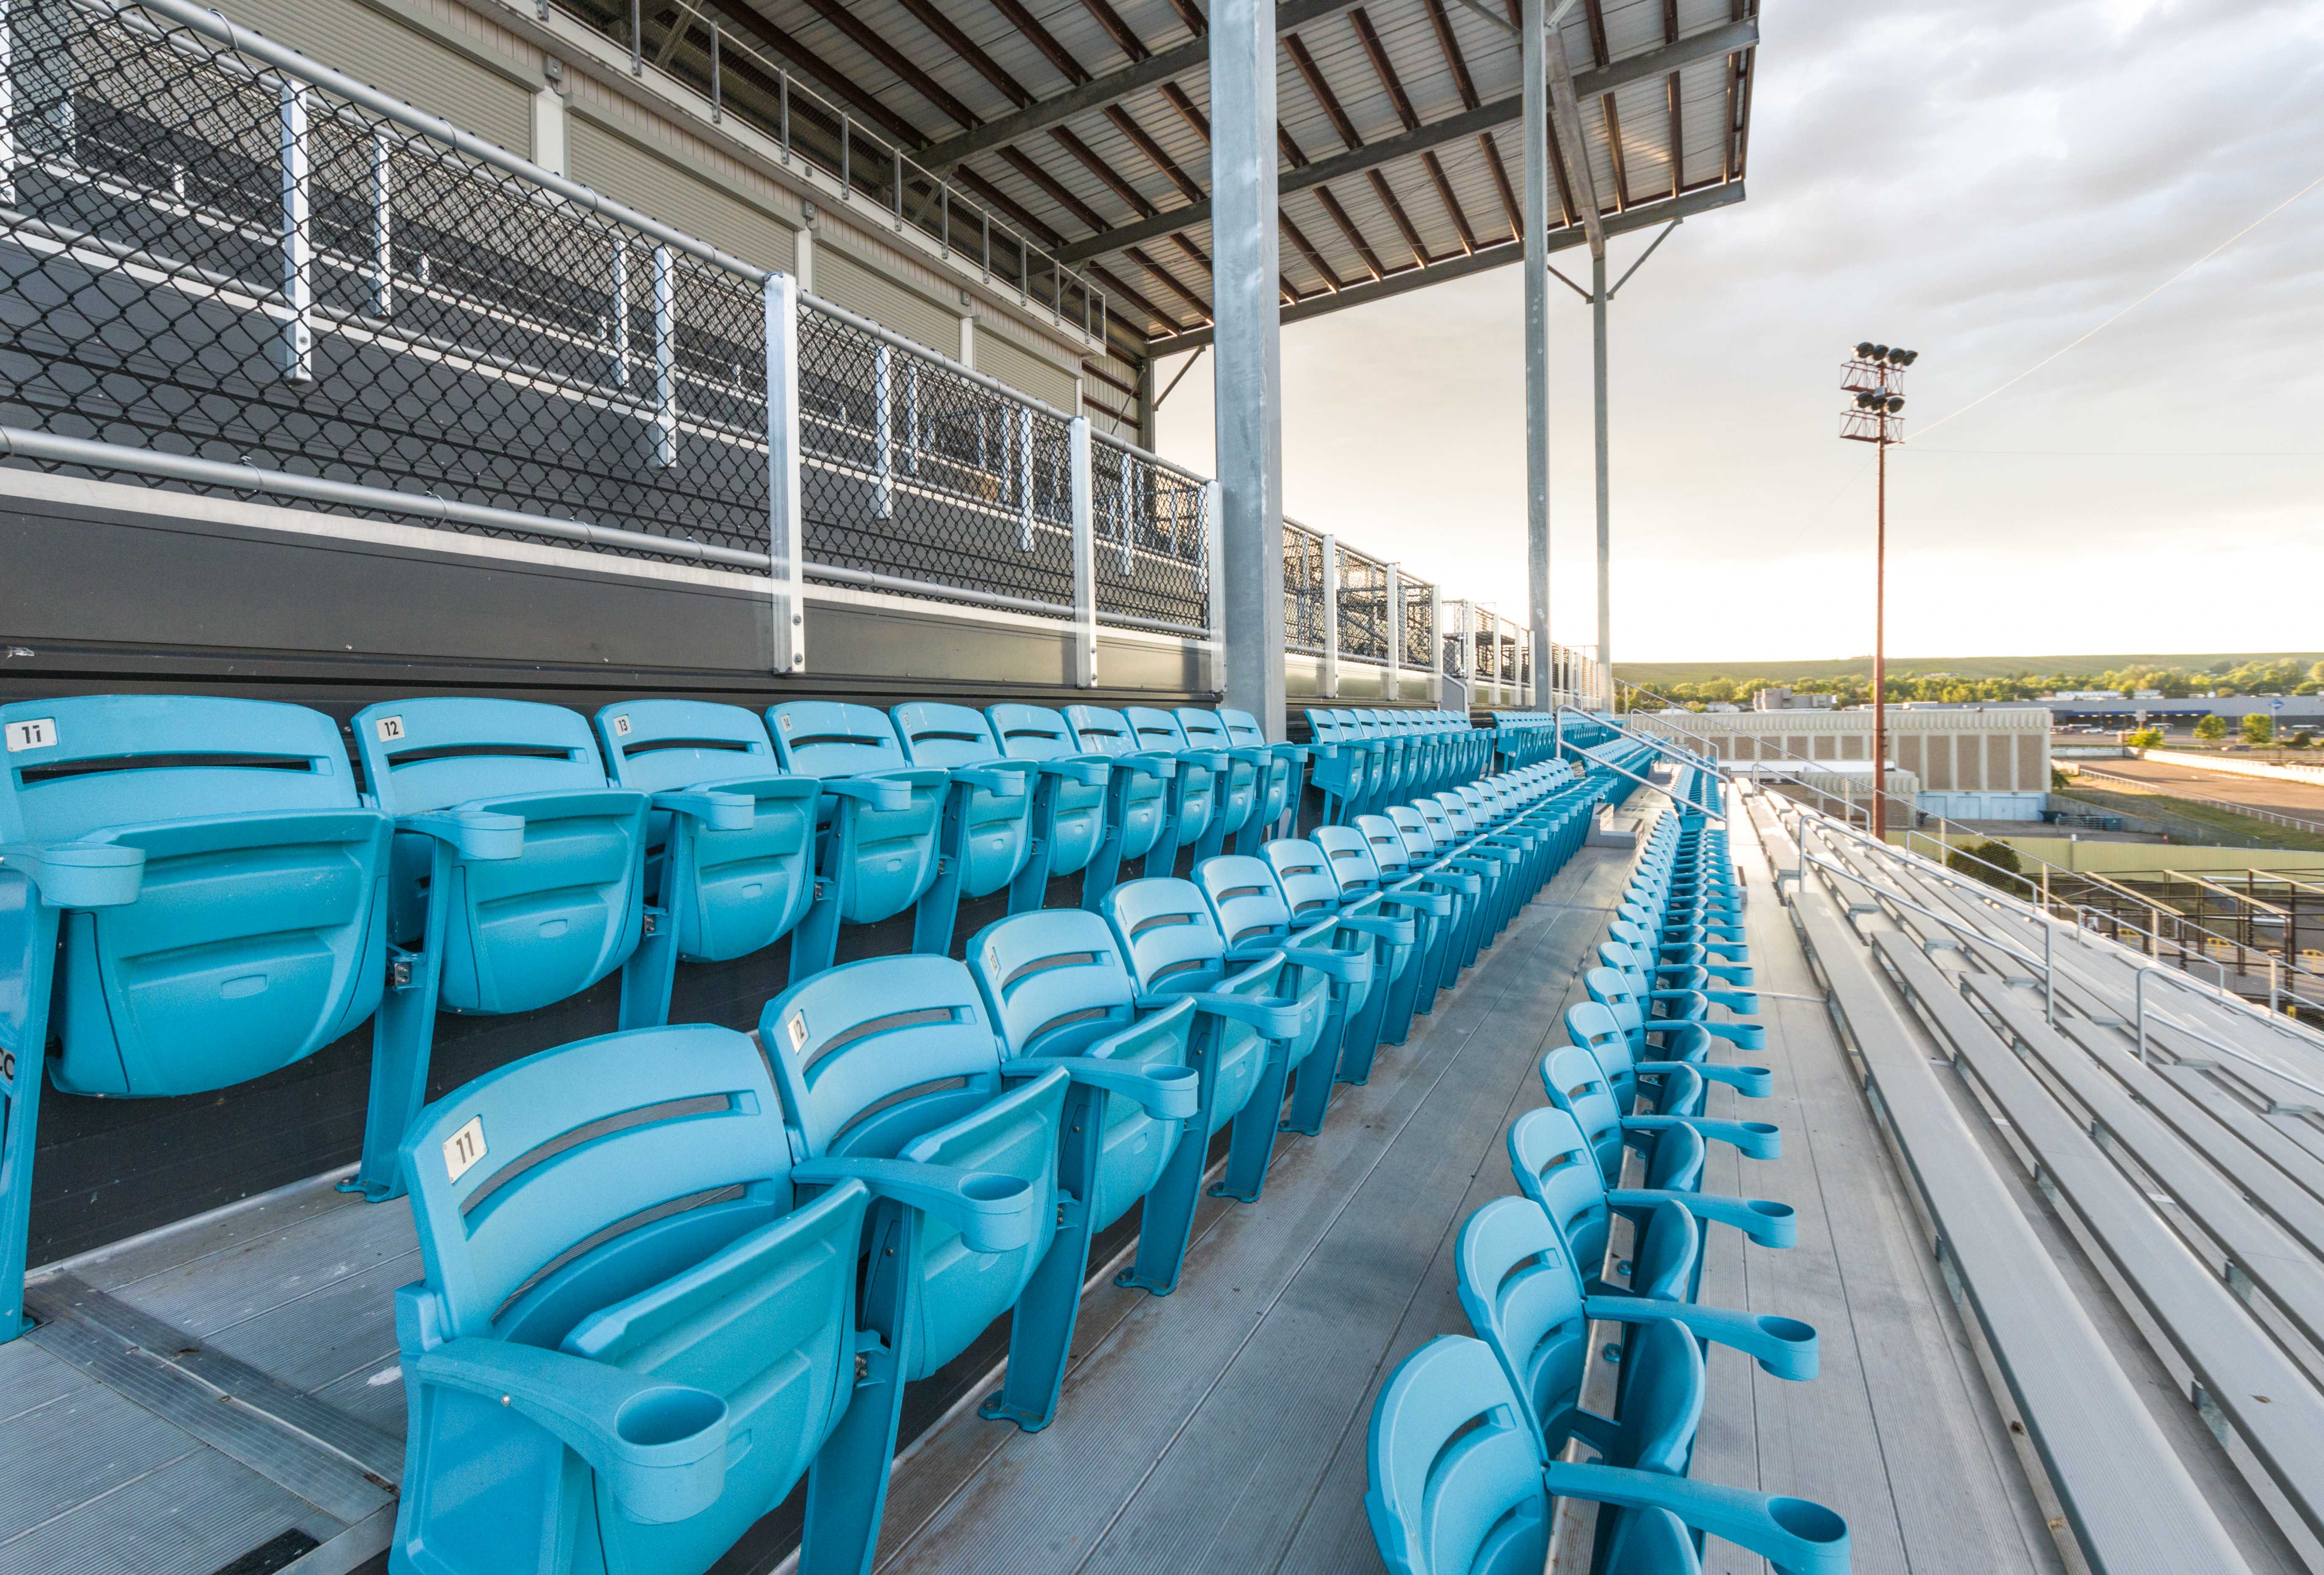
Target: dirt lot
point(2300, 798)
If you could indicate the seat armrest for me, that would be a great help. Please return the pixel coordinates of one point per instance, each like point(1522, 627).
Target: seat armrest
point(1396, 932)
point(992, 1213)
point(1797, 1535)
point(1765, 1221)
point(1163, 767)
point(1088, 773)
point(1347, 967)
point(661, 1447)
point(1166, 1093)
point(716, 808)
point(480, 834)
point(1274, 1017)
point(1003, 778)
point(876, 792)
point(1756, 1140)
point(1438, 903)
point(79, 875)
point(1784, 1347)
point(1752, 1082)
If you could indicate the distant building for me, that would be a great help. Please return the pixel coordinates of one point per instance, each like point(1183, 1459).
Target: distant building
point(1989, 762)
point(2084, 694)
point(1780, 697)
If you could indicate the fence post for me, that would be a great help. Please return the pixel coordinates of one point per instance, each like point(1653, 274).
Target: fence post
point(786, 544)
point(1209, 526)
point(883, 442)
point(7, 105)
point(298, 248)
point(1395, 633)
point(1436, 646)
point(912, 416)
point(1025, 478)
point(1469, 647)
point(383, 225)
point(1331, 673)
point(1126, 502)
point(621, 323)
point(665, 358)
point(1084, 509)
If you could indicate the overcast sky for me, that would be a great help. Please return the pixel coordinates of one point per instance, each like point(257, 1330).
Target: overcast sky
point(1982, 180)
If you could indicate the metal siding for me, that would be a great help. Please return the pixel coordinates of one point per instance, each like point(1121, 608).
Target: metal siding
point(395, 59)
point(1020, 368)
point(842, 281)
point(608, 162)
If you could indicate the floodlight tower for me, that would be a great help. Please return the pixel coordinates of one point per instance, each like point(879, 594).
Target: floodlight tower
point(1875, 376)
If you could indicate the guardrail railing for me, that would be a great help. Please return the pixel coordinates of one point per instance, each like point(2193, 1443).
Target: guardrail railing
point(228, 268)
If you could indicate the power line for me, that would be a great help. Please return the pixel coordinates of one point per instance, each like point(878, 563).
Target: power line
point(2133, 307)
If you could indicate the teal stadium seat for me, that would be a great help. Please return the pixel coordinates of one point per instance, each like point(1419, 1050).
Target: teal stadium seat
point(987, 838)
point(191, 895)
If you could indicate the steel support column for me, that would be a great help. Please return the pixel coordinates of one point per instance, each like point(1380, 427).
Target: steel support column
point(1598, 298)
point(1248, 365)
point(1534, 67)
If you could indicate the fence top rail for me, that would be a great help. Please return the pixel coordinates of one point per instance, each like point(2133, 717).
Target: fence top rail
point(291, 64)
point(1148, 456)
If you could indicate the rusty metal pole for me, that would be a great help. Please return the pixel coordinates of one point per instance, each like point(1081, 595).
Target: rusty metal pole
point(1880, 644)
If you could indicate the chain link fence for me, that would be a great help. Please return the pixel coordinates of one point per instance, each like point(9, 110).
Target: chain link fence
point(1305, 607)
point(1418, 634)
point(1363, 606)
point(1150, 527)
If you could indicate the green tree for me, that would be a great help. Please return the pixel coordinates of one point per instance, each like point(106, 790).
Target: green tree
point(2259, 728)
point(2211, 729)
point(2146, 738)
point(1994, 863)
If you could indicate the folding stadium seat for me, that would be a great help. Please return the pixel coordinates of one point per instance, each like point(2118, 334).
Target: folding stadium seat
point(1349, 770)
point(1680, 989)
point(1364, 861)
point(730, 863)
point(1142, 799)
point(1458, 1486)
point(191, 895)
point(1058, 993)
point(1286, 778)
point(1489, 865)
point(889, 1071)
point(1205, 805)
point(1554, 1167)
point(882, 821)
point(1570, 1075)
point(1250, 909)
point(1595, 1027)
point(1070, 816)
point(598, 1380)
point(1524, 1296)
point(1618, 991)
point(1253, 770)
point(987, 836)
point(518, 879)
point(1723, 960)
point(1263, 1033)
point(1403, 923)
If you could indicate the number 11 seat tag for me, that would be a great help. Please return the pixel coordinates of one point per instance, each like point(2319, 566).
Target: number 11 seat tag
point(463, 1149)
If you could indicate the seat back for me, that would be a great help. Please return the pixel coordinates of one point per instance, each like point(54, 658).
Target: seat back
point(1304, 874)
point(1195, 794)
point(996, 835)
point(1350, 853)
point(1570, 1075)
point(1523, 1296)
point(1035, 732)
point(895, 1058)
point(1244, 900)
point(1166, 931)
point(1455, 1475)
point(1554, 1167)
point(260, 935)
point(1281, 787)
point(1593, 1027)
point(1102, 732)
point(745, 1296)
point(1238, 797)
point(525, 932)
point(1390, 853)
point(1055, 982)
point(747, 887)
point(887, 857)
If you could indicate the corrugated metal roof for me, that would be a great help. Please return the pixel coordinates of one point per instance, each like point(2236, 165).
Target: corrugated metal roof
point(1069, 109)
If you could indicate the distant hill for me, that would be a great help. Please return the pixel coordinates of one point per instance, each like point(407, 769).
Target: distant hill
point(1653, 674)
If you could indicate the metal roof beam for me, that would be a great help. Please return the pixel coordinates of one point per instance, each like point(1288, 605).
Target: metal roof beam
point(1573, 149)
point(1501, 252)
point(1152, 71)
point(1501, 111)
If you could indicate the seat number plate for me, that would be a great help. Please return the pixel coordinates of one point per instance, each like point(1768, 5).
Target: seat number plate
point(389, 729)
point(464, 1147)
point(39, 733)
